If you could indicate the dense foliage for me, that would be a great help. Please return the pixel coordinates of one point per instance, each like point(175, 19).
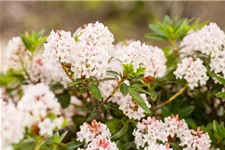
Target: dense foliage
point(82, 91)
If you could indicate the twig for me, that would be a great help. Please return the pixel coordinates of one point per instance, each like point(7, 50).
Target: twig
point(174, 46)
point(98, 109)
point(172, 98)
point(67, 72)
point(38, 145)
point(113, 92)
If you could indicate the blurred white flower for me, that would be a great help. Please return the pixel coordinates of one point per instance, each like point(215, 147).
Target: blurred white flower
point(39, 102)
point(16, 54)
point(12, 125)
point(47, 71)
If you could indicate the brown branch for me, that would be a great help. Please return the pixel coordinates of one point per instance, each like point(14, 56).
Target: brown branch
point(113, 92)
point(172, 98)
point(67, 72)
point(98, 109)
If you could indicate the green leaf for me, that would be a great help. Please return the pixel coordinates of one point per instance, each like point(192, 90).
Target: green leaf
point(139, 89)
point(72, 145)
point(175, 146)
point(220, 79)
point(155, 37)
point(33, 40)
point(186, 111)
point(153, 94)
point(128, 69)
point(124, 89)
point(140, 101)
point(215, 127)
point(96, 93)
point(113, 74)
point(122, 132)
point(27, 144)
point(216, 77)
point(221, 95)
point(113, 125)
point(167, 20)
point(140, 71)
point(26, 42)
point(191, 122)
point(128, 145)
point(64, 99)
point(93, 115)
point(156, 29)
point(78, 81)
point(9, 77)
point(63, 136)
point(4, 80)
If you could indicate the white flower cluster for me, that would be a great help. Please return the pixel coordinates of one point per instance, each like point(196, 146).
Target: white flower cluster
point(96, 34)
point(39, 102)
point(16, 53)
point(194, 72)
point(217, 63)
point(131, 108)
point(60, 45)
point(209, 41)
point(126, 103)
point(96, 135)
point(47, 71)
point(142, 55)
point(87, 52)
point(12, 125)
point(150, 131)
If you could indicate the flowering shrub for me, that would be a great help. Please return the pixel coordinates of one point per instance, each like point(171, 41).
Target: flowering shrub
point(83, 91)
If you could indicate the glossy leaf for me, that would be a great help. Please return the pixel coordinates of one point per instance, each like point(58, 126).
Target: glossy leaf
point(96, 93)
point(124, 89)
point(140, 101)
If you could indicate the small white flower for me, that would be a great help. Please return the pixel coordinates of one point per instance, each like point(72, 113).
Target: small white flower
point(209, 41)
point(88, 132)
point(39, 101)
point(47, 71)
point(194, 72)
point(16, 53)
point(59, 46)
point(12, 125)
point(100, 143)
point(142, 55)
point(151, 132)
point(217, 63)
point(46, 127)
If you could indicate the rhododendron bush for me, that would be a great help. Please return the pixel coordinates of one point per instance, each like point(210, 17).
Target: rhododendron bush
point(84, 91)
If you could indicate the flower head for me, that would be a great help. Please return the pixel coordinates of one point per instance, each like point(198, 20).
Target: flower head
point(194, 72)
point(142, 55)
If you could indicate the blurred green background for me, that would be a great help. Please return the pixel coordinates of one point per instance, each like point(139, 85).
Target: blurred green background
point(126, 20)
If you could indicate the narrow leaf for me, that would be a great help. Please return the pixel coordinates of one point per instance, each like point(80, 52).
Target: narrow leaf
point(96, 93)
point(221, 95)
point(138, 99)
point(122, 132)
point(124, 89)
point(186, 111)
